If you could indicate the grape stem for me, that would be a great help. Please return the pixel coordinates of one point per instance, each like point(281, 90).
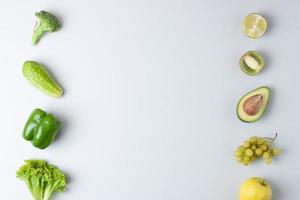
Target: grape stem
point(268, 138)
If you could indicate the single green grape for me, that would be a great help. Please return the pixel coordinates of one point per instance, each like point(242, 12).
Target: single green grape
point(276, 152)
point(253, 140)
point(266, 155)
point(238, 152)
point(253, 147)
point(261, 141)
point(252, 158)
point(264, 147)
point(246, 144)
point(241, 148)
point(246, 158)
point(249, 152)
point(258, 151)
point(268, 160)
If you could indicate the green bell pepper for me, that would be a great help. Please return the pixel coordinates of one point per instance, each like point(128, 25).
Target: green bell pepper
point(41, 128)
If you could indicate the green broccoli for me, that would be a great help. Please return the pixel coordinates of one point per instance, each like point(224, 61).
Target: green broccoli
point(42, 179)
point(46, 22)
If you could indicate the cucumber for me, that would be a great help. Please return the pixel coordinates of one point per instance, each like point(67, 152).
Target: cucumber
point(38, 76)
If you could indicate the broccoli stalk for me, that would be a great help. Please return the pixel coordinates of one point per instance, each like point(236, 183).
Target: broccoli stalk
point(46, 22)
point(42, 179)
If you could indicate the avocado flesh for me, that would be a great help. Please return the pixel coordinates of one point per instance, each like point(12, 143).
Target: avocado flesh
point(252, 105)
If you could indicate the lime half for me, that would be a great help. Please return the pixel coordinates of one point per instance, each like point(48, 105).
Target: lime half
point(254, 25)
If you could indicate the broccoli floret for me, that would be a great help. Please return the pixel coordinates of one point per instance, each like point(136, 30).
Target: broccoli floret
point(46, 22)
point(42, 179)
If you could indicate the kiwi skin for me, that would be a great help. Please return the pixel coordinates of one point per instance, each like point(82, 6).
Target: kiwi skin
point(258, 57)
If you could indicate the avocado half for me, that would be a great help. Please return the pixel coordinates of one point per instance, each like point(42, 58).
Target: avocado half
point(252, 105)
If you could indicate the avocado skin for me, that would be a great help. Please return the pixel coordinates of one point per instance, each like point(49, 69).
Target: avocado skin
point(264, 108)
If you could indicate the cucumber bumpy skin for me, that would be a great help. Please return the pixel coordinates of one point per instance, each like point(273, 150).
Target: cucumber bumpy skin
point(38, 76)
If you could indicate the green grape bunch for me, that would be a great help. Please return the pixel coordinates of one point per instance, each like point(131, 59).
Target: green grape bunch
point(256, 147)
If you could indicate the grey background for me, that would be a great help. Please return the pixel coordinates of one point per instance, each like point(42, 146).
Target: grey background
point(150, 93)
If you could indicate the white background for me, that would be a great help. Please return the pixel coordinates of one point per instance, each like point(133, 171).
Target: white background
point(150, 93)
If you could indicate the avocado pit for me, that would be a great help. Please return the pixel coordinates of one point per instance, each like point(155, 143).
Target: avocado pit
point(253, 104)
